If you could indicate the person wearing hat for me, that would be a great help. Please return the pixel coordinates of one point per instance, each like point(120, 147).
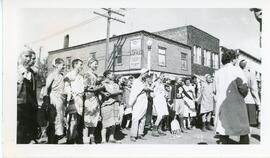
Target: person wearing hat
point(231, 117)
point(75, 122)
point(26, 100)
point(138, 101)
point(252, 99)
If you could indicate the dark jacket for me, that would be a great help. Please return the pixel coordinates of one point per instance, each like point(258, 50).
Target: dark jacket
point(26, 90)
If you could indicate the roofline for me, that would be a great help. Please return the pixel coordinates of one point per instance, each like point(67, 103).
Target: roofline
point(186, 27)
point(245, 53)
point(202, 31)
point(127, 34)
point(249, 55)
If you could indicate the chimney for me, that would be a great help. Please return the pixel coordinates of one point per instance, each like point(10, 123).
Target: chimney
point(66, 41)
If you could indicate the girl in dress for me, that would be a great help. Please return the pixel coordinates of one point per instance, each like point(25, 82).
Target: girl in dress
point(189, 101)
point(179, 103)
point(92, 104)
point(110, 107)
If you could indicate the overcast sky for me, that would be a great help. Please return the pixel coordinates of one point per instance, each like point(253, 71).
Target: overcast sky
point(236, 28)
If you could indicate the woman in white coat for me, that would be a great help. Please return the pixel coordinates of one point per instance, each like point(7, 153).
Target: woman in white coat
point(231, 88)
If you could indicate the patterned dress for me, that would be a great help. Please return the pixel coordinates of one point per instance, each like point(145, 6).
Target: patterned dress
point(58, 100)
point(189, 109)
point(92, 106)
point(110, 107)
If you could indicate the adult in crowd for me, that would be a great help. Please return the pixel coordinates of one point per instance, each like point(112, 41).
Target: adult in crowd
point(26, 100)
point(252, 99)
point(231, 111)
point(126, 123)
point(34, 71)
point(189, 100)
point(75, 115)
point(92, 102)
point(110, 107)
point(206, 99)
point(54, 89)
point(149, 111)
point(138, 101)
point(160, 104)
point(179, 102)
point(196, 83)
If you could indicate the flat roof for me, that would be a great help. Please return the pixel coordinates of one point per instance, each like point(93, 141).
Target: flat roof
point(245, 53)
point(127, 34)
point(249, 55)
point(186, 26)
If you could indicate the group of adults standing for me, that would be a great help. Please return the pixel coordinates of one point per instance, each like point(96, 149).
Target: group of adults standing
point(81, 100)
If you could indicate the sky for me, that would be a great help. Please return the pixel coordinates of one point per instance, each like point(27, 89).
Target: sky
point(236, 28)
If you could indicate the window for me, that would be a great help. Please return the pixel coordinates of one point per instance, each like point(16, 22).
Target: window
point(208, 58)
point(213, 60)
point(184, 61)
point(119, 56)
point(199, 55)
point(216, 61)
point(195, 55)
point(161, 56)
point(68, 63)
point(205, 57)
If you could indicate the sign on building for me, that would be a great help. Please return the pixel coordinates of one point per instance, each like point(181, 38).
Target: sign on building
point(135, 54)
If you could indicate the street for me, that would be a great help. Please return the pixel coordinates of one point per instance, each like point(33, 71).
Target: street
point(194, 136)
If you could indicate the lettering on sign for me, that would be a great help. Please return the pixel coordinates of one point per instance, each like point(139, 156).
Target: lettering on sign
point(135, 54)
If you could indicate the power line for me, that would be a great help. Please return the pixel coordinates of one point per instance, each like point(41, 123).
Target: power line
point(71, 28)
point(109, 18)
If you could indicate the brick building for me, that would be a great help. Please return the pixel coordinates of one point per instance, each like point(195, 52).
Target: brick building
point(205, 47)
point(129, 54)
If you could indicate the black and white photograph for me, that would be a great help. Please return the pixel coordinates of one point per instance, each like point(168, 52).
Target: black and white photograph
point(121, 78)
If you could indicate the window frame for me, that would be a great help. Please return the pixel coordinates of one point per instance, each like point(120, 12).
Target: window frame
point(160, 54)
point(185, 60)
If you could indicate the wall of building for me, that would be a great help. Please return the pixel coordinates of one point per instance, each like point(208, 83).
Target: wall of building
point(173, 54)
point(82, 53)
point(99, 48)
point(193, 36)
point(252, 64)
point(172, 57)
point(177, 34)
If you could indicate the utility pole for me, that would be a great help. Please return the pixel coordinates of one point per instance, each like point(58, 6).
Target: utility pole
point(109, 18)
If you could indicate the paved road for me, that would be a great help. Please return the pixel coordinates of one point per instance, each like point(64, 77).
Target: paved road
point(194, 136)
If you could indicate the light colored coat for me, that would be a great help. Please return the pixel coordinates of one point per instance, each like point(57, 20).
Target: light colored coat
point(252, 97)
point(207, 98)
point(231, 113)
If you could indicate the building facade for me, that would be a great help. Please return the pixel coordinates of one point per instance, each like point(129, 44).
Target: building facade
point(253, 63)
point(205, 47)
point(131, 52)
